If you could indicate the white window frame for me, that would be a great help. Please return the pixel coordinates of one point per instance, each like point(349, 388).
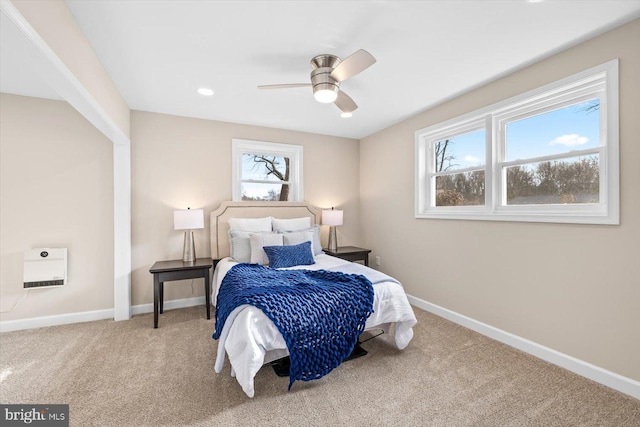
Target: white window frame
point(426, 157)
point(245, 146)
point(600, 81)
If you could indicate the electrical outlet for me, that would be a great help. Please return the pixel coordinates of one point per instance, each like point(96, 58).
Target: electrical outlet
point(378, 261)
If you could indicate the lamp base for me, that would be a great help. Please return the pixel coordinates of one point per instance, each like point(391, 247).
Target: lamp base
point(333, 239)
point(189, 251)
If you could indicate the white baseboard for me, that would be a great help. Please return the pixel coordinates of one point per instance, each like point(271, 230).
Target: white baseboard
point(580, 367)
point(57, 319)
point(89, 316)
point(169, 305)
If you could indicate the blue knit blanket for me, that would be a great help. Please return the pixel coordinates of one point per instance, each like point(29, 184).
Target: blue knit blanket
point(319, 313)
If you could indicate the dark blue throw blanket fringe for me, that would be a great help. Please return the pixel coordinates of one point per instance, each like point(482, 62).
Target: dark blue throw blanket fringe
point(319, 313)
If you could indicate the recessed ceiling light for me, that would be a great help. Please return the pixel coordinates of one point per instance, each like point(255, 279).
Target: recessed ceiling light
point(346, 115)
point(205, 91)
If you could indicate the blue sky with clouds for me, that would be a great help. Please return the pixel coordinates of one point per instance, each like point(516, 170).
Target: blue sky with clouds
point(558, 131)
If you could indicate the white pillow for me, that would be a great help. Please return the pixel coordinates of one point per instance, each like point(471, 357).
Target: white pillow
point(250, 224)
point(258, 240)
point(297, 237)
point(293, 224)
point(316, 246)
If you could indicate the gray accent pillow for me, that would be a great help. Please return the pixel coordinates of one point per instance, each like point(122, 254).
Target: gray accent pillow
point(297, 237)
point(300, 236)
point(240, 245)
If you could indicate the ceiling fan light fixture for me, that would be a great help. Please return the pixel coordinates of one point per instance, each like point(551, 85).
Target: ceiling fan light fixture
point(325, 93)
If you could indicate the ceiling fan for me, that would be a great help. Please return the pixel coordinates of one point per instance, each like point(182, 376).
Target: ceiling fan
point(328, 72)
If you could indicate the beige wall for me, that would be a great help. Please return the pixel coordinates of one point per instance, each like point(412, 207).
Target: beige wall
point(573, 288)
point(56, 187)
point(179, 162)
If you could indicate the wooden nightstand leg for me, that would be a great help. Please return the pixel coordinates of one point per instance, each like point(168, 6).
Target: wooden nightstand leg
point(156, 299)
point(366, 260)
point(207, 293)
point(161, 297)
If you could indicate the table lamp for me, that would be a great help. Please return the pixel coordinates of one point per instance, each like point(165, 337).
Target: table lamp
point(189, 220)
point(332, 218)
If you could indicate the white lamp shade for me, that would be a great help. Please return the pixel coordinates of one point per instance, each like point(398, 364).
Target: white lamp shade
point(188, 219)
point(332, 217)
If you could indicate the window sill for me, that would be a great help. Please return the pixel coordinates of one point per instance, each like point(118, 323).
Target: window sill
point(583, 218)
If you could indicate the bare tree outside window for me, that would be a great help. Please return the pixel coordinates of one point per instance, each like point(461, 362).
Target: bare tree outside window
point(466, 188)
point(442, 156)
point(548, 155)
point(563, 181)
point(275, 171)
point(574, 180)
point(592, 106)
point(266, 171)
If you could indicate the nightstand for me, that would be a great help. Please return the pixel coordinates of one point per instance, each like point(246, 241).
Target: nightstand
point(350, 253)
point(165, 271)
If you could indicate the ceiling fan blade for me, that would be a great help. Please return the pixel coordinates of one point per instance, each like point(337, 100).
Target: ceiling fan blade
point(285, 86)
point(345, 103)
point(352, 65)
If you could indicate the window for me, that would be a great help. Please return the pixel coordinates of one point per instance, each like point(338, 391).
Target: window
point(550, 155)
point(266, 171)
point(458, 169)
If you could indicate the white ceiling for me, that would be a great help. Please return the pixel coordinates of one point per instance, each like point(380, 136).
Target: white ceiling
point(160, 52)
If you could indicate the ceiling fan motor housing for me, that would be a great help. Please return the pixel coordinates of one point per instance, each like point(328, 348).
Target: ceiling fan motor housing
point(321, 75)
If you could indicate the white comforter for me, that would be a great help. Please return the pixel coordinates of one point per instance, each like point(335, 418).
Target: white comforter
point(251, 339)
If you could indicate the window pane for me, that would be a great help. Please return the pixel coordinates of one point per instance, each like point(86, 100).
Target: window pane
point(576, 127)
point(265, 168)
point(459, 152)
point(574, 180)
point(266, 192)
point(460, 189)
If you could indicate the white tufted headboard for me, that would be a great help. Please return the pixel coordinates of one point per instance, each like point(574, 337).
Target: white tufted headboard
point(219, 219)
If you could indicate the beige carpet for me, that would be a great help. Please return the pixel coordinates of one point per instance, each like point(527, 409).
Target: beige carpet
point(128, 374)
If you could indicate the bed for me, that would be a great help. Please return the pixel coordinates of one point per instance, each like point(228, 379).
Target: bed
point(249, 338)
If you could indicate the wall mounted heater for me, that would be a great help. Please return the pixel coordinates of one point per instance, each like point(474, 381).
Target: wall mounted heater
point(45, 267)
